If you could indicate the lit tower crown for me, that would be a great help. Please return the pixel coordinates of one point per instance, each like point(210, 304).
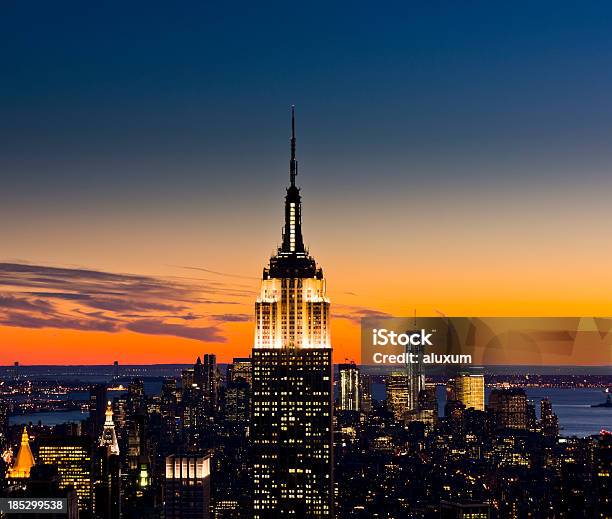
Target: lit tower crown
point(292, 309)
point(24, 460)
point(292, 259)
point(108, 438)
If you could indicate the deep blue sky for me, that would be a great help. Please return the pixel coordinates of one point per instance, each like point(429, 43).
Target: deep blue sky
point(129, 106)
point(395, 83)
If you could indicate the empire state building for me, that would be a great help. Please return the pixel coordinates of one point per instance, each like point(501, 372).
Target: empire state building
point(291, 429)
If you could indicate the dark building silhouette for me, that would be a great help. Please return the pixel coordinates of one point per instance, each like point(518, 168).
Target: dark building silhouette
point(187, 487)
point(72, 455)
point(240, 368)
point(365, 390)
point(210, 384)
point(349, 394)
point(237, 403)
point(44, 483)
point(510, 408)
point(549, 422)
point(97, 408)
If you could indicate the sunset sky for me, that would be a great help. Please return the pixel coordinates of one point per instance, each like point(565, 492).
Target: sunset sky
point(454, 158)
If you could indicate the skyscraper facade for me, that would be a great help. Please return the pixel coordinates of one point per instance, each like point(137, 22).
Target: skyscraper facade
point(469, 390)
point(187, 487)
point(209, 385)
point(291, 424)
point(510, 407)
point(73, 458)
point(365, 393)
point(97, 409)
point(240, 368)
point(349, 387)
point(397, 385)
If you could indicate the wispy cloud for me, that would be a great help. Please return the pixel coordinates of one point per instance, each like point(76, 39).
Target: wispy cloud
point(231, 318)
point(40, 296)
point(24, 320)
point(153, 327)
point(217, 273)
point(356, 313)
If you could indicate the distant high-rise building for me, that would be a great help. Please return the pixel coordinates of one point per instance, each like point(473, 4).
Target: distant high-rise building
point(237, 400)
point(187, 487)
point(549, 423)
point(136, 397)
point(428, 399)
point(349, 387)
point(120, 416)
point(365, 393)
point(16, 371)
point(169, 397)
point(187, 378)
point(510, 407)
point(237, 394)
point(416, 374)
point(73, 457)
point(398, 394)
point(136, 441)
point(531, 416)
point(116, 370)
point(24, 460)
point(198, 373)
point(451, 393)
point(469, 390)
point(240, 368)
point(428, 405)
point(97, 408)
point(169, 392)
point(291, 427)
point(210, 384)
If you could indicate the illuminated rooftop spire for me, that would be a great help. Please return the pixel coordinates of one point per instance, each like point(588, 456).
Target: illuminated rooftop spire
point(109, 437)
point(293, 166)
point(293, 242)
point(24, 460)
point(292, 259)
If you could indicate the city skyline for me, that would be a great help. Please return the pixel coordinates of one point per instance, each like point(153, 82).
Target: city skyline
point(422, 331)
point(267, 437)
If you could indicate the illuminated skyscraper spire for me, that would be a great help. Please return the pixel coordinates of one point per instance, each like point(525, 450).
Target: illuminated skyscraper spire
point(293, 167)
point(292, 396)
point(292, 259)
point(293, 243)
point(109, 437)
